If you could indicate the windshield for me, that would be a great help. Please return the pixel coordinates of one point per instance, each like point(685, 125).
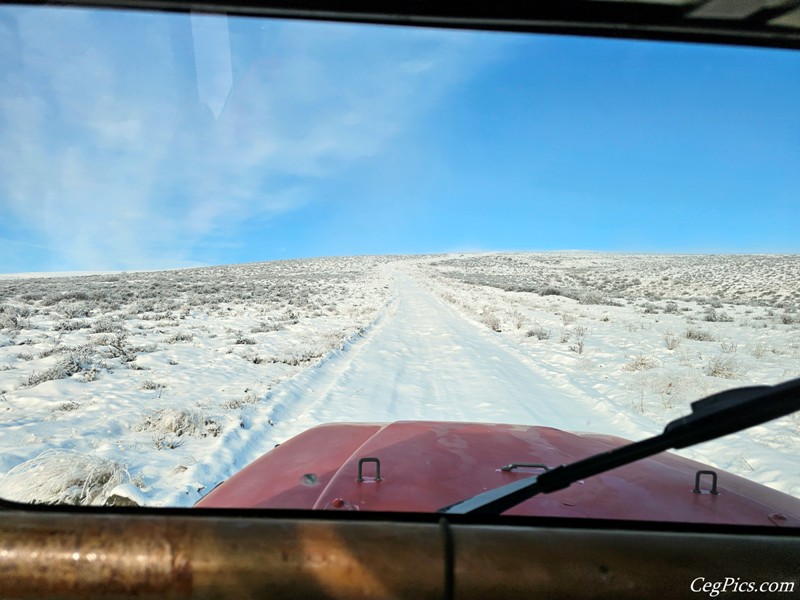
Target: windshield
point(218, 233)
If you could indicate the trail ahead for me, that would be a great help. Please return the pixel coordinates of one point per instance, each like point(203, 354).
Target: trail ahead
point(423, 360)
point(419, 360)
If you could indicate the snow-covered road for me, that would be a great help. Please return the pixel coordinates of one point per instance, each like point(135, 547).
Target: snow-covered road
point(424, 360)
point(420, 359)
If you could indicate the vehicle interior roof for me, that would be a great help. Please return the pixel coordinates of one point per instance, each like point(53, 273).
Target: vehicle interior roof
point(770, 23)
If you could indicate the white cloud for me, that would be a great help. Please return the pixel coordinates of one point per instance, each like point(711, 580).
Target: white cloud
point(105, 158)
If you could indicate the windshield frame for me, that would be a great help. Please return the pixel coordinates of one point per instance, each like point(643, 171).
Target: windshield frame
point(761, 35)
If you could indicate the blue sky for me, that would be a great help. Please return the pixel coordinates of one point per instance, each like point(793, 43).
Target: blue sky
point(134, 140)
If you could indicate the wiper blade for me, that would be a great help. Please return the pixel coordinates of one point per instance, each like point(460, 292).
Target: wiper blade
point(712, 417)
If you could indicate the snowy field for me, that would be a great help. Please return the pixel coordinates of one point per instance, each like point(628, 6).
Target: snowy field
point(153, 387)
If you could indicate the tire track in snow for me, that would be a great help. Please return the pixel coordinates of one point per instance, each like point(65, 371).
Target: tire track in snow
point(238, 448)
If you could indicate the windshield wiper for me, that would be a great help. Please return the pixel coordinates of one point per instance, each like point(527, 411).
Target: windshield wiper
point(712, 417)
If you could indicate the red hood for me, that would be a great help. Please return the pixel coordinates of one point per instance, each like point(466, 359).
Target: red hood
point(428, 465)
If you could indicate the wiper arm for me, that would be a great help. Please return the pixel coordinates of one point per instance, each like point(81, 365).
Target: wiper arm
point(712, 417)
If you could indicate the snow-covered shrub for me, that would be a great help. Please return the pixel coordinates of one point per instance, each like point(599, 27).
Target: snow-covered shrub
point(264, 327)
point(68, 406)
point(107, 325)
point(181, 336)
point(24, 311)
point(74, 362)
point(50, 300)
point(595, 297)
point(63, 477)
point(550, 291)
point(758, 349)
point(143, 349)
point(296, 360)
point(518, 319)
point(789, 319)
point(90, 375)
point(580, 334)
point(722, 366)
point(250, 397)
point(241, 339)
point(75, 310)
point(650, 308)
point(10, 318)
point(539, 332)
point(699, 335)
point(70, 325)
point(178, 422)
point(712, 316)
point(163, 441)
point(640, 363)
point(449, 297)
point(671, 341)
point(491, 320)
point(671, 308)
point(256, 359)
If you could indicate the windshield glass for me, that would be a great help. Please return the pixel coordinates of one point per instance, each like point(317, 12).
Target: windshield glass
point(218, 233)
